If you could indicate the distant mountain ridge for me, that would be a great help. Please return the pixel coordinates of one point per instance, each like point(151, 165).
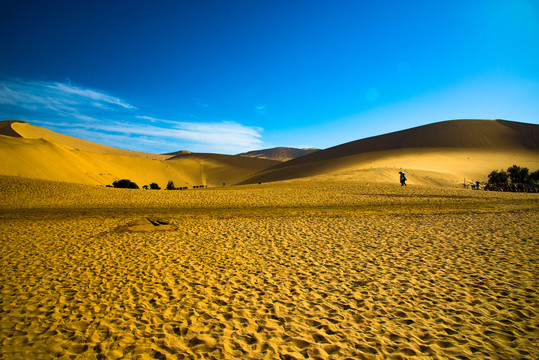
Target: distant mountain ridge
point(180, 152)
point(279, 153)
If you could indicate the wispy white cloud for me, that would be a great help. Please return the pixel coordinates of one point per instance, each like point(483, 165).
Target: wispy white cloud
point(225, 134)
point(99, 97)
point(261, 109)
point(55, 96)
point(98, 116)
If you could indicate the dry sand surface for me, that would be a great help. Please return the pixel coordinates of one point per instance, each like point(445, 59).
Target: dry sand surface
point(289, 270)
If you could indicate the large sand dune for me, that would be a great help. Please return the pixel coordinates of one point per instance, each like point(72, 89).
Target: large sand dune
point(444, 152)
point(28, 131)
point(34, 152)
point(289, 270)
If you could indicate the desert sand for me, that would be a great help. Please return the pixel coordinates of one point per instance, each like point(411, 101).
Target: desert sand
point(289, 270)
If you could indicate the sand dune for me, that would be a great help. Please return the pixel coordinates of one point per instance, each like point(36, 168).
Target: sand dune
point(34, 152)
point(449, 151)
point(289, 270)
point(6, 128)
point(28, 131)
point(444, 153)
point(217, 169)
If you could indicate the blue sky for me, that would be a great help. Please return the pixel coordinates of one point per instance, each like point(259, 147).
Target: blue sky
point(232, 76)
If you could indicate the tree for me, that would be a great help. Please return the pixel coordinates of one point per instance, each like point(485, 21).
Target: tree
point(170, 185)
point(498, 177)
point(517, 174)
point(125, 184)
point(533, 178)
point(154, 186)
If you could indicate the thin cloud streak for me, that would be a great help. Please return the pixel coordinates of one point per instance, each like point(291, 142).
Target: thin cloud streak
point(113, 121)
point(99, 97)
point(55, 96)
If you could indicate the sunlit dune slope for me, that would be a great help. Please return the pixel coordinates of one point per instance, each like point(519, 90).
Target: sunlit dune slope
point(25, 130)
point(441, 153)
point(218, 169)
point(44, 158)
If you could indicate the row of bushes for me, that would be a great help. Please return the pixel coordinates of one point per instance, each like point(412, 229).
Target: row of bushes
point(514, 175)
point(128, 184)
point(516, 178)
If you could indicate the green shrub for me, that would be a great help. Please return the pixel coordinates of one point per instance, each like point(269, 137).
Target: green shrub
point(170, 185)
point(125, 184)
point(533, 178)
point(517, 174)
point(154, 186)
point(498, 177)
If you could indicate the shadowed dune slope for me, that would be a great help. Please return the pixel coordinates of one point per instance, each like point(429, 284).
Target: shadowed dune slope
point(34, 152)
point(448, 150)
point(7, 129)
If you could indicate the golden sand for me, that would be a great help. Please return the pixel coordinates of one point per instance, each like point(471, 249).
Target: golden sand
point(290, 270)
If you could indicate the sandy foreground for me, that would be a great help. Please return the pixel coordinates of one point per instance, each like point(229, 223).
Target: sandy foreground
point(291, 270)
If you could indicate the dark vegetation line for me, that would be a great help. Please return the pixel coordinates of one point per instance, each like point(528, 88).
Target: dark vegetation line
point(128, 184)
point(516, 178)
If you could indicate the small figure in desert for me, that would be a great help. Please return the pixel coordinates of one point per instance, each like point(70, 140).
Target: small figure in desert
point(403, 178)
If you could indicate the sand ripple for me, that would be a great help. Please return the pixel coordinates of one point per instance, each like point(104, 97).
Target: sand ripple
point(275, 287)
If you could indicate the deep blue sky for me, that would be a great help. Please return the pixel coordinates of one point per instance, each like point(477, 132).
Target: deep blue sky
point(230, 76)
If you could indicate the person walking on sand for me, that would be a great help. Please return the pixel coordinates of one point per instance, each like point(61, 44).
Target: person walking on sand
point(403, 178)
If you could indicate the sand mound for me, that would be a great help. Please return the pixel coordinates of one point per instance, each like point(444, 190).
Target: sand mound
point(452, 150)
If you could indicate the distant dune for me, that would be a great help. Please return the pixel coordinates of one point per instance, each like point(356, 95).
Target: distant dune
point(440, 153)
point(279, 153)
point(217, 169)
point(34, 152)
